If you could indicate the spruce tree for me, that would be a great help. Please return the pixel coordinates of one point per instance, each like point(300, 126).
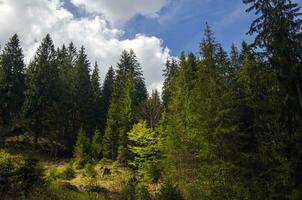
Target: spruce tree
point(107, 90)
point(129, 93)
point(41, 97)
point(96, 89)
point(169, 74)
point(82, 149)
point(96, 145)
point(82, 94)
point(12, 83)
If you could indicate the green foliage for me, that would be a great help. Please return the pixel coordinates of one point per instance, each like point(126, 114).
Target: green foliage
point(42, 94)
point(107, 90)
point(96, 145)
point(151, 110)
point(128, 93)
point(146, 147)
point(169, 191)
point(18, 175)
point(82, 94)
point(82, 149)
point(6, 170)
point(96, 89)
point(12, 81)
point(27, 175)
point(141, 192)
point(67, 173)
point(55, 191)
point(89, 170)
point(128, 191)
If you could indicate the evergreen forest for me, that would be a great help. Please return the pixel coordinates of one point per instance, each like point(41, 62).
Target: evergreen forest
point(227, 125)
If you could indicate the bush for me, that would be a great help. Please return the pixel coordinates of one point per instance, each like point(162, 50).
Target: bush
point(89, 171)
point(141, 192)
point(27, 174)
point(18, 176)
point(96, 145)
point(82, 149)
point(169, 191)
point(68, 172)
point(151, 171)
point(128, 191)
point(6, 169)
point(65, 172)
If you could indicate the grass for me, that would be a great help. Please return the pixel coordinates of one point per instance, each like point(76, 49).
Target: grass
point(58, 171)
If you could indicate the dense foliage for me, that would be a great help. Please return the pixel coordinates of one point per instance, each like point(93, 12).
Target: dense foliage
point(227, 125)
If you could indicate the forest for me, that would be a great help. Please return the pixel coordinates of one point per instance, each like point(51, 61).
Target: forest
point(226, 125)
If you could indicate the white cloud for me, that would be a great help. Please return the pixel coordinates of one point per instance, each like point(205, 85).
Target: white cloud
point(120, 11)
point(33, 19)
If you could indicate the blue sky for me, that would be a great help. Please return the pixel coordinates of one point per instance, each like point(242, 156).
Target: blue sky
point(181, 24)
point(155, 29)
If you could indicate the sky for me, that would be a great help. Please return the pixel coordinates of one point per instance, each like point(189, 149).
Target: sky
point(156, 30)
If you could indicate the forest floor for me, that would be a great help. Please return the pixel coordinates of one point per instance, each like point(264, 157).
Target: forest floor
point(102, 180)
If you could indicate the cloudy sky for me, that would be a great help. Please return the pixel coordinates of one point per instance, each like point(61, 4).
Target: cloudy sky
point(155, 30)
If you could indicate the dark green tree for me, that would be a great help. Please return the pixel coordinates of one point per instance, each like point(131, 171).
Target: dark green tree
point(82, 94)
point(96, 145)
point(97, 95)
point(129, 93)
point(12, 83)
point(169, 74)
point(42, 94)
point(107, 90)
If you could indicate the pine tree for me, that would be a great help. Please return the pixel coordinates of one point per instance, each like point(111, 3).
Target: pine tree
point(82, 149)
point(96, 88)
point(65, 66)
point(12, 83)
point(96, 145)
point(41, 97)
point(129, 93)
point(106, 92)
point(82, 94)
point(277, 31)
point(169, 74)
point(145, 145)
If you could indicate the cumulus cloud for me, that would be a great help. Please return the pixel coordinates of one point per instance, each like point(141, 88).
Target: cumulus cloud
point(33, 19)
point(121, 11)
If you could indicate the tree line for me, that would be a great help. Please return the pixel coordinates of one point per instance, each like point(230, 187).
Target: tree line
point(227, 125)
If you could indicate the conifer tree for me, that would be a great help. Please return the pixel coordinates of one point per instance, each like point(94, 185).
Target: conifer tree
point(96, 88)
point(107, 90)
point(96, 145)
point(41, 97)
point(12, 83)
point(169, 74)
point(82, 148)
point(129, 92)
point(82, 94)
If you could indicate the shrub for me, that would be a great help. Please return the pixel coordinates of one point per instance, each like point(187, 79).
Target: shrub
point(6, 169)
point(151, 171)
point(82, 149)
point(128, 191)
point(26, 175)
point(89, 171)
point(18, 175)
point(169, 191)
point(141, 192)
point(68, 172)
point(96, 145)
